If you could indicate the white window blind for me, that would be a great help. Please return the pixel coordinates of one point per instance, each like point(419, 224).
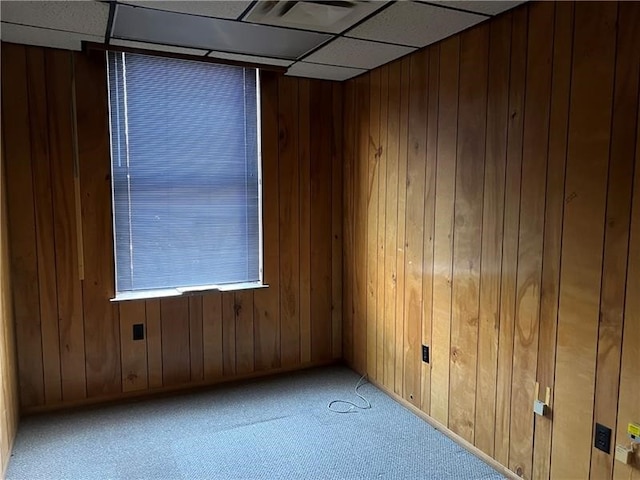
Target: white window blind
point(185, 173)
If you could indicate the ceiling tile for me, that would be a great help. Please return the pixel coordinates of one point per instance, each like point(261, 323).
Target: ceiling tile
point(169, 28)
point(415, 24)
point(81, 17)
point(44, 37)
point(251, 59)
point(350, 52)
point(157, 47)
point(326, 72)
point(491, 7)
point(220, 8)
point(317, 16)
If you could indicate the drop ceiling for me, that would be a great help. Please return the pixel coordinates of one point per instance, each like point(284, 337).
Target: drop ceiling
point(335, 39)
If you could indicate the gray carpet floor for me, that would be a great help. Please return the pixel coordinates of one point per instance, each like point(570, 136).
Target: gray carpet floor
point(275, 428)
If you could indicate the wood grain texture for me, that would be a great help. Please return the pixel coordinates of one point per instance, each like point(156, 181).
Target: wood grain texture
point(628, 405)
point(89, 353)
point(133, 352)
point(336, 220)
point(321, 112)
point(101, 331)
point(304, 170)
point(154, 343)
point(381, 214)
point(403, 139)
point(414, 225)
point(45, 249)
point(583, 231)
point(554, 210)
point(467, 243)
point(21, 220)
point(492, 230)
point(511, 226)
point(391, 224)
point(9, 393)
point(429, 221)
point(616, 240)
point(371, 195)
point(289, 222)
point(443, 230)
point(61, 151)
point(176, 358)
point(196, 343)
point(266, 314)
point(531, 234)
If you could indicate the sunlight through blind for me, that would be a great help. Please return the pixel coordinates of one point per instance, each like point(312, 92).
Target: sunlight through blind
point(185, 172)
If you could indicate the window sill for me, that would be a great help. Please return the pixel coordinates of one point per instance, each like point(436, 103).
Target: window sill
point(185, 291)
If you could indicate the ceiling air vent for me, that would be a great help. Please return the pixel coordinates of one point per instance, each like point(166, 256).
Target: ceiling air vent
point(321, 16)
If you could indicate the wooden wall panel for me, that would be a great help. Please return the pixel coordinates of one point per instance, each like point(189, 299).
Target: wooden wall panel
point(467, 243)
point(9, 393)
point(583, 232)
point(74, 345)
point(523, 133)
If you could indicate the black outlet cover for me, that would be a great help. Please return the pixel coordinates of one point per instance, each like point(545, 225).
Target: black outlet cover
point(138, 331)
point(602, 439)
point(425, 353)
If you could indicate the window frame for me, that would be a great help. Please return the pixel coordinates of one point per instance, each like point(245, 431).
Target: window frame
point(158, 293)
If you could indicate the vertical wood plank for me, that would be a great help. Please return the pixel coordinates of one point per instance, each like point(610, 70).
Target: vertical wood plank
point(628, 405)
point(21, 216)
point(348, 220)
point(336, 221)
point(391, 224)
point(492, 218)
point(101, 330)
point(414, 218)
point(154, 343)
point(176, 360)
point(511, 227)
point(429, 221)
point(196, 339)
point(63, 172)
point(361, 197)
point(371, 186)
point(403, 141)
point(304, 162)
point(289, 221)
point(228, 334)
point(321, 220)
point(444, 234)
point(467, 248)
point(244, 332)
point(531, 235)
point(267, 301)
point(616, 242)
point(212, 335)
point(133, 352)
point(554, 209)
point(381, 214)
point(45, 248)
point(582, 240)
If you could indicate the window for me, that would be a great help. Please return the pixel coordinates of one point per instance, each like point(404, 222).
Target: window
point(185, 175)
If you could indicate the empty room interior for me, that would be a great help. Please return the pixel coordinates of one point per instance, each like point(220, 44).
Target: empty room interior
point(320, 239)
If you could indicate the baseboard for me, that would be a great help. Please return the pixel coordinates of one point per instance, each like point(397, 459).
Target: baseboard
point(140, 395)
point(453, 436)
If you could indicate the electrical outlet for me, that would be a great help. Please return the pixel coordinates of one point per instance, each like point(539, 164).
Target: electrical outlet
point(602, 439)
point(425, 353)
point(138, 331)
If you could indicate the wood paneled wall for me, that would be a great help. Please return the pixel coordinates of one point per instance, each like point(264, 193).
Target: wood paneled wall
point(73, 344)
point(9, 403)
point(492, 213)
